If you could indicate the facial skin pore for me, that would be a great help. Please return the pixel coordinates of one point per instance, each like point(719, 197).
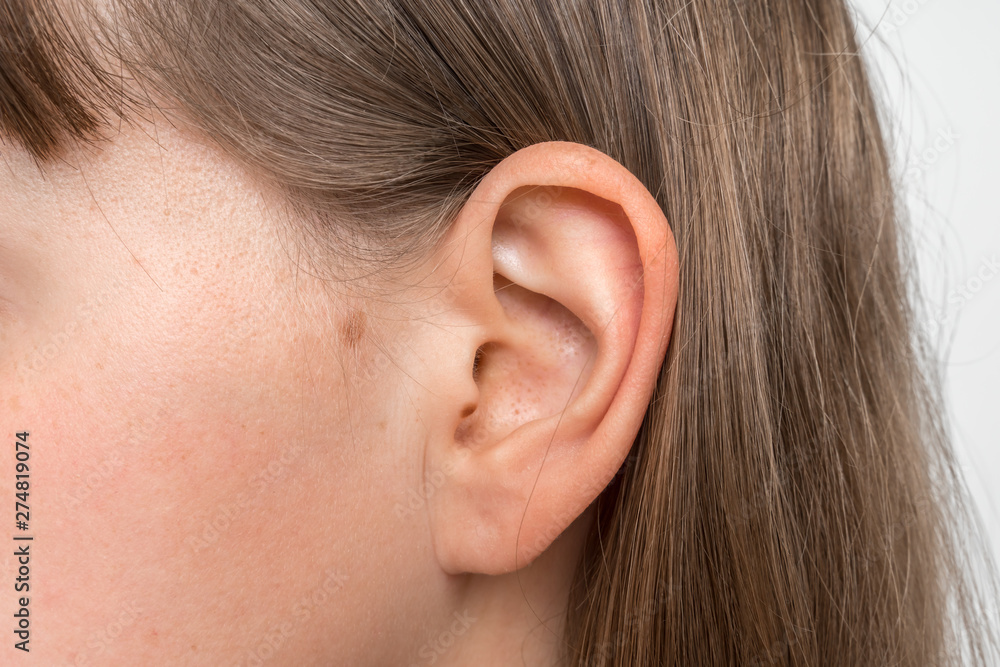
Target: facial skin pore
point(240, 459)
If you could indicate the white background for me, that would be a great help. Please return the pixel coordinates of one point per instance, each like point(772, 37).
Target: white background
point(938, 65)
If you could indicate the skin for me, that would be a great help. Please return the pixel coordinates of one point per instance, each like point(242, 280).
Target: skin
point(238, 458)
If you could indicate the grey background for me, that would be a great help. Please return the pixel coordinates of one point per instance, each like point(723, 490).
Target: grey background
point(939, 76)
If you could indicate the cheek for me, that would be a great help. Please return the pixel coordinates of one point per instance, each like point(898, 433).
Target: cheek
point(166, 504)
point(200, 482)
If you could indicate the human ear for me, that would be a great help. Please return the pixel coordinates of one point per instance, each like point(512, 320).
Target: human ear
point(564, 271)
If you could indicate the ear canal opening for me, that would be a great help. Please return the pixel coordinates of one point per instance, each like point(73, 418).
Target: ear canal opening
point(476, 361)
point(535, 373)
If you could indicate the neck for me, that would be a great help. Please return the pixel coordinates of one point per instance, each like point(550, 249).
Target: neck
point(517, 618)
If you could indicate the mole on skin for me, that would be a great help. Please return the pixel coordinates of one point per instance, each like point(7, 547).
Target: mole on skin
point(353, 329)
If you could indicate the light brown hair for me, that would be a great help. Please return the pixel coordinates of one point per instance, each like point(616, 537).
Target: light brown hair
point(792, 497)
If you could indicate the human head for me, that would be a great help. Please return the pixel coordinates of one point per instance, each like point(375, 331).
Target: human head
point(382, 323)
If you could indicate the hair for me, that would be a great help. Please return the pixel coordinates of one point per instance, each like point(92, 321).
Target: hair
point(792, 497)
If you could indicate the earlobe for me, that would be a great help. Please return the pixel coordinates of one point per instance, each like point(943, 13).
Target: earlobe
point(570, 271)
